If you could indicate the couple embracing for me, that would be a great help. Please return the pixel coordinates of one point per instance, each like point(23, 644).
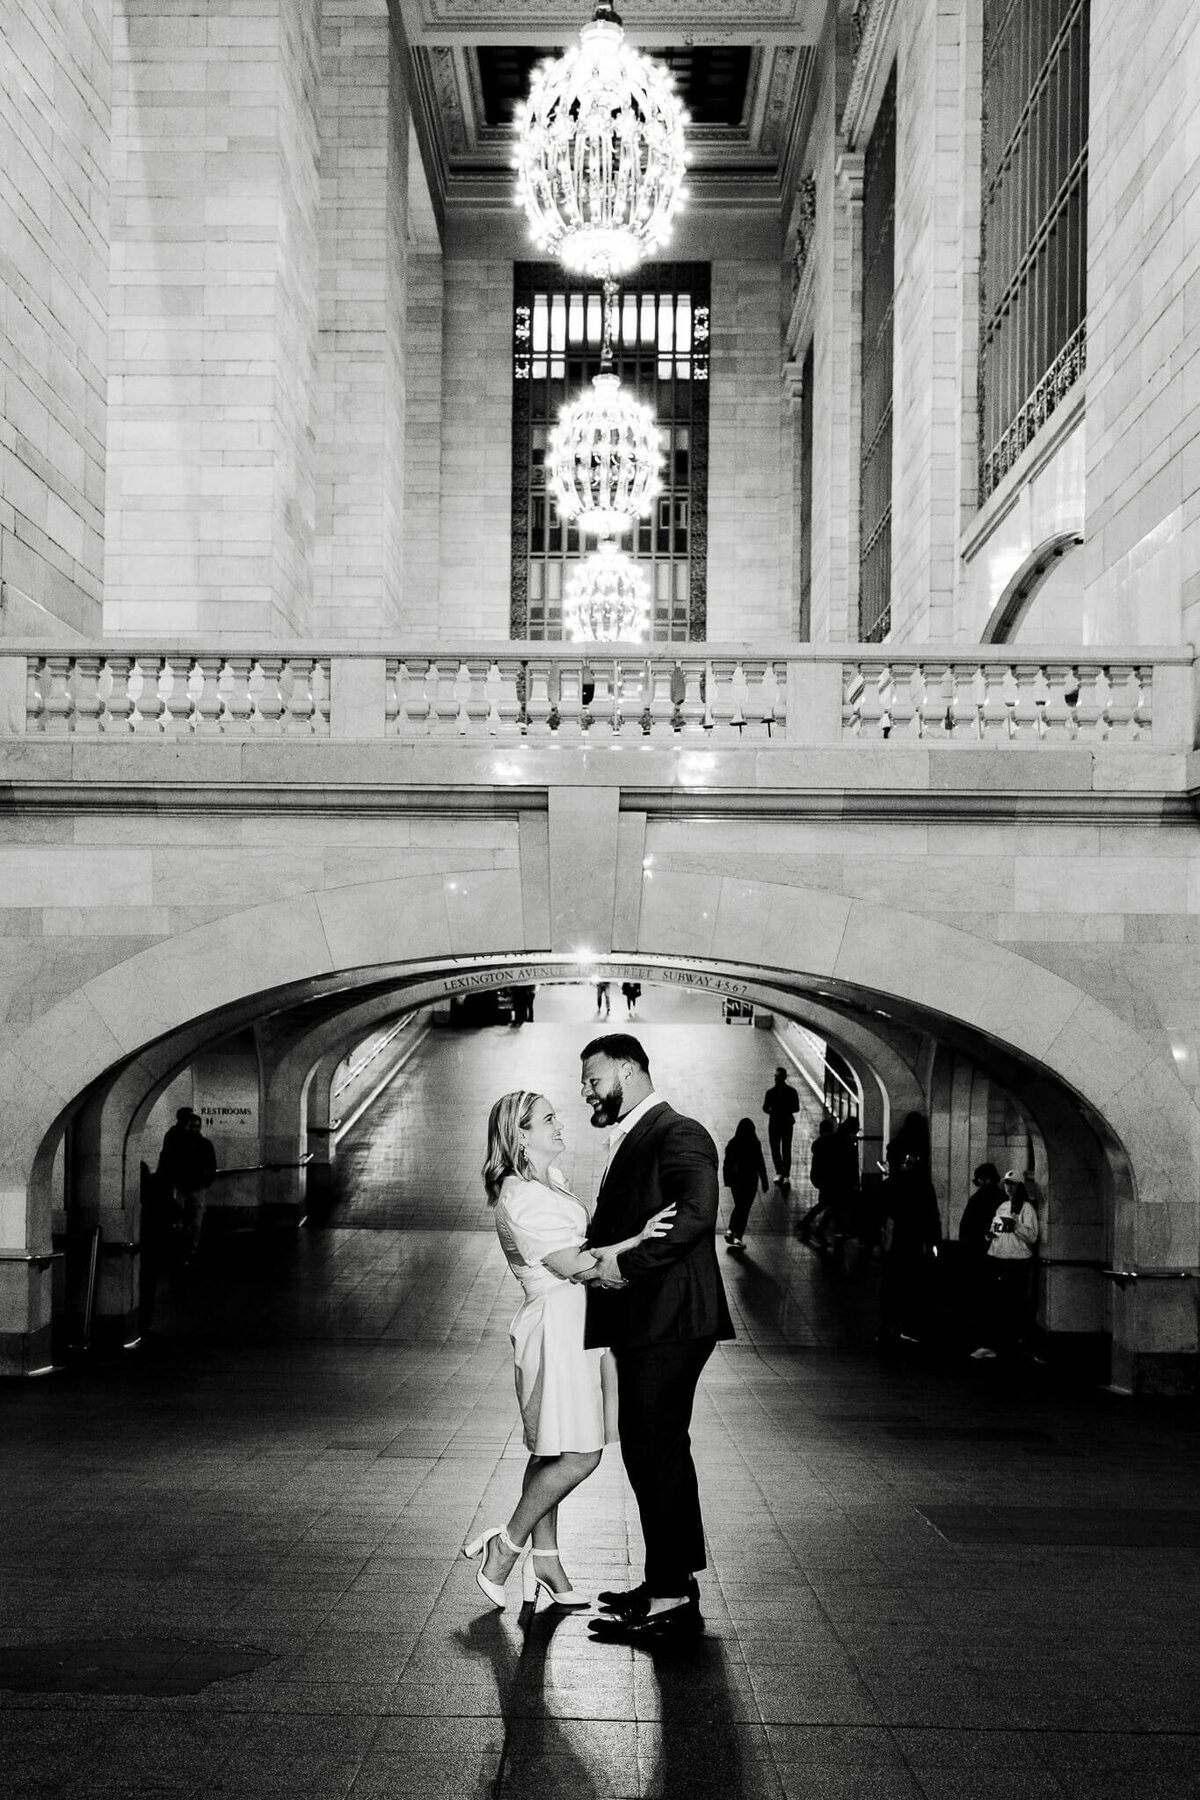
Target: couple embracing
point(632, 1283)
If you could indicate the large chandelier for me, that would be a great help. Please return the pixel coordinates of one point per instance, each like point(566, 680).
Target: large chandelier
point(607, 599)
point(600, 152)
point(604, 456)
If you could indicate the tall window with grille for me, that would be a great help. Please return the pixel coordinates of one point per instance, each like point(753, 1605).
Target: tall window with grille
point(806, 495)
point(661, 353)
point(1034, 250)
point(878, 298)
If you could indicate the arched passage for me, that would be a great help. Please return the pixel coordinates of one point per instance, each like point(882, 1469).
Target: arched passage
point(781, 943)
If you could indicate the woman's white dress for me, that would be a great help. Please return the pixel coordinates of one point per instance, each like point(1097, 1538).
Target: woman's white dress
point(561, 1389)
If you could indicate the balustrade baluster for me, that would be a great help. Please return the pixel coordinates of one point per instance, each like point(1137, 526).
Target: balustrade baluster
point(1103, 689)
point(300, 707)
point(659, 710)
point(85, 688)
point(1137, 700)
point(117, 718)
point(910, 700)
point(239, 701)
point(537, 698)
point(1072, 699)
point(570, 700)
point(770, 703)
point(1039, 694)
point(738, 697)
point(992, 712)
point(35, 703)
point(854, 688)
point(322, 696)
point(1011, 694)
point(885, 687)
point(465, 681)
point(269, 700)
point(56, 690)
point(603, 713)
point(413, 680)
point(177, 701)
point(444, 700)
point(504, 712)
point(208, 700)
point(693, 711)
point(941, 686)
point(1125, 699)
point(391, 695)
point(145, 685)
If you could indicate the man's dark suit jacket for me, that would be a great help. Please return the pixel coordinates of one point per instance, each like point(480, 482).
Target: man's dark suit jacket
point(674, 1292)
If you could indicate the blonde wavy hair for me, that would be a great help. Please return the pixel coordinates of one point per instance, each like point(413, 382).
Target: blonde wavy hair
point(506, 1154)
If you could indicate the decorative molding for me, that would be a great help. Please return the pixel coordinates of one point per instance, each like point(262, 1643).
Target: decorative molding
point(848, 175)
point(801, 322)
point(806, 219)
point(650, 23)
point(873, 31)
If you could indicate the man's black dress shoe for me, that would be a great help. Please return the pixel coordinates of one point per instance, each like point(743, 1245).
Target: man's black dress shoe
point(676, 1625)
point(628, 1601)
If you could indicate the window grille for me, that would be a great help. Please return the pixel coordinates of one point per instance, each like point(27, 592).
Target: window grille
point(878, 295)
point(661, 344)
point(806, 495)
point(1033, 276)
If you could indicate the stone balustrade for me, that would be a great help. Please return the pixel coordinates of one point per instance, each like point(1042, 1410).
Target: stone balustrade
point(801, 695)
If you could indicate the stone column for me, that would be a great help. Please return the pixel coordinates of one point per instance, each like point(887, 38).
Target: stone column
point(362, 351)
point(936, 310)
point(837, 408)
point(214, 317)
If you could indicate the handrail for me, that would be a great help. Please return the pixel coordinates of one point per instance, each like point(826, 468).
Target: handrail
point(683, 694)
point(1122, 1275)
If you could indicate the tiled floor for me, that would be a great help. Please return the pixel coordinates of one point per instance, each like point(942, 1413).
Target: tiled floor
point(230, 1566)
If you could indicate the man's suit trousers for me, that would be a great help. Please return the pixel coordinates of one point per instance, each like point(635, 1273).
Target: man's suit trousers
point(656, 1386)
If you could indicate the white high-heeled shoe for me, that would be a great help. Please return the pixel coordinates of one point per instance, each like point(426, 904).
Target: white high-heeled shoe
point(493, 1589)
point(532, 1584)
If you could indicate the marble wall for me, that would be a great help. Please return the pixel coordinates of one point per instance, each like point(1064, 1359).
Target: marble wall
point(360, 423)
point(55, 96)
point(1143, 380)
point(213, 311)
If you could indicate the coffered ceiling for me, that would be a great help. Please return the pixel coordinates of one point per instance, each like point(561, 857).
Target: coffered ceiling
point(743, 67)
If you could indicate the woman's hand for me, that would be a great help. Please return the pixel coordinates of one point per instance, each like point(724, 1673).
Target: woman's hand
point(658, 1226)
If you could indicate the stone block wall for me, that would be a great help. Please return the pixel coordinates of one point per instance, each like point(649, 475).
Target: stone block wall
point(213, 318)
point(476, 508)
point(55, 93)
point(360, 419)
point(936, 311)
point(1143, 378)
point(749, 573)
point(423, 443)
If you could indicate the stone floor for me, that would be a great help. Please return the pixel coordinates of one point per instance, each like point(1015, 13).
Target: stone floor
point(229, 1564)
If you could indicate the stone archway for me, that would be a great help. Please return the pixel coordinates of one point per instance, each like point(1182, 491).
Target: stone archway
point(425, 930)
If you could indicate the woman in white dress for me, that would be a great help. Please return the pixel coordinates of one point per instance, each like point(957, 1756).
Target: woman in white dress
point(560, 1387)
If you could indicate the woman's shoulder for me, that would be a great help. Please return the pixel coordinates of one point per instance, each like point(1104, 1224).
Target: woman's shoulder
point(520, 1194)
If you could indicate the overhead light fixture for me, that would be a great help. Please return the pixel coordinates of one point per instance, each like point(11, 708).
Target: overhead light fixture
point(604, 456)
point(607, 599)
point(600, 152)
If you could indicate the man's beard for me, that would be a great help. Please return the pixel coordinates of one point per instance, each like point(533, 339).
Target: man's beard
point(609, 1109)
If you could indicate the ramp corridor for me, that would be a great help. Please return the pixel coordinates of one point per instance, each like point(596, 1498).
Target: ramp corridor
point(231, 1558)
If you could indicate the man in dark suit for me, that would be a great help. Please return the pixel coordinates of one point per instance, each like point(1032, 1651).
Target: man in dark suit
point(661, 1308)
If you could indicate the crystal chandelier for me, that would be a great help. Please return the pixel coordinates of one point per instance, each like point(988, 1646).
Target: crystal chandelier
point(600, 152)
point(607, 599)
point(604, 456)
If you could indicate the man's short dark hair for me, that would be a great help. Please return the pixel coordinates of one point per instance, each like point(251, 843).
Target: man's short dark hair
point(987, 1172)
point(183, 1114)
point(618, 1046)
